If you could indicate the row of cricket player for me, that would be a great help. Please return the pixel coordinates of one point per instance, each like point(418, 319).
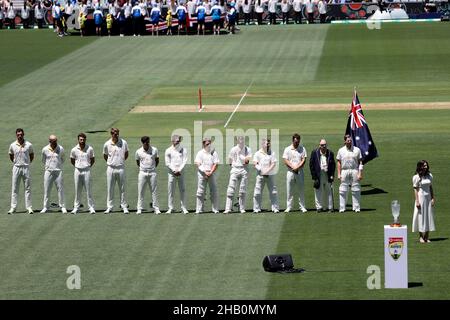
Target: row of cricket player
point(115, 151)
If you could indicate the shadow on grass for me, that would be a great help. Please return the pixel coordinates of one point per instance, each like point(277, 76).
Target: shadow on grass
point(96, 131)
point(372, 190)
point(438, 239)
point(349, 208)
point(415, 284)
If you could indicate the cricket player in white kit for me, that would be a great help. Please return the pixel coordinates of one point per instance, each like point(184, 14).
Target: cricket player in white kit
point(147, 159)
point(265, 162)
point(175, 159)
point(207, 161)
point(115, 152)
point(294, 158)
point(350, 169)
point(21, 155)
point(53, 160)
point(239, 158)
point(82, 158)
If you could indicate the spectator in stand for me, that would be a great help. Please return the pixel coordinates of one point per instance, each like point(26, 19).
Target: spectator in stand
point(57, 16)
point(128, 20)
point(11, 15)
point(247, 9)
point(136, 13)
point(322, 7)
point(238, 7)
point(216, 12)
point(144, 13)
point(25, 14)
point(201, 15)
point(207, 5)
point(98, 20)
point(120, 17)
point(82, 22)
point(181, 14)
point(2, 14)
point(169, 21)
point(285, 7)
point(309, 4)
point(297, 6)
point(112, 10)
point(272, 8)
point(231, 15)
point(109, 24)
point(259, 9)
point(39, 14)
point(155, 14)
point(190, 7)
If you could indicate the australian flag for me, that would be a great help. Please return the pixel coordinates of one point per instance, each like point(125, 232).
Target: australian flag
point(359, 130)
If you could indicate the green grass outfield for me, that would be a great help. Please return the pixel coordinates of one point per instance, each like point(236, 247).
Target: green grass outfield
point(211, 256)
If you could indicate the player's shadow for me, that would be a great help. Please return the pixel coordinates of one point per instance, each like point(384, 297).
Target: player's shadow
point(349, 208)
point(438, 239)
point(96, 131)
point(372, 190)
point(415, 284)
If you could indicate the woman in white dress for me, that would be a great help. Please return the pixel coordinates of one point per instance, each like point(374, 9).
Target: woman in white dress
point(423, 219)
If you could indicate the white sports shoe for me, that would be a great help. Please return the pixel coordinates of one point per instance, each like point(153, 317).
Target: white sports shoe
point(287, 210)
point(30, 210)
point(138, 211)
point(108, 211)
point(276, 211)
point(63, 210)
point(74, 211)
point(215, 211)
point(91, 210)
point(227, 211)
point(169, 211)
point(125, 210)
point(243, 211)
point(12, 210)
point(184, 211)
point(44, 210)
point(304, 210)
point(157, 211)
point(341, 211)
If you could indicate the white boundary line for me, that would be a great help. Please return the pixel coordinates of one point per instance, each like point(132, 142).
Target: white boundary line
point(235, 109)
point(381, 20)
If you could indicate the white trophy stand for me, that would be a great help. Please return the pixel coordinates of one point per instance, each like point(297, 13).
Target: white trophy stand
point(395, 252)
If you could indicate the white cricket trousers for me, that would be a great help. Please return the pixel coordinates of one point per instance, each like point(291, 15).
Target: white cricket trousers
point(147, 178)
point(349, 179)
point(323, 196)
point(172, 180)
point(203, 180)
point(237, 176)
point(114, 174)
point(294, 182)
point(21, 173)
point(259, 187)
point(50, 178)
point(82, 178)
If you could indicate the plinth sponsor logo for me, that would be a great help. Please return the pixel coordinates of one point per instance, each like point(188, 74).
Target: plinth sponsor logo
point(395, 247)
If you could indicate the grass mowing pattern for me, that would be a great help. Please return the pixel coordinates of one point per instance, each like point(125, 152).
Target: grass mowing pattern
point(220, 256)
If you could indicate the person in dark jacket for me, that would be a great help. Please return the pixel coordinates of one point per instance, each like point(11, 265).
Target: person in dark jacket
point(323, 166)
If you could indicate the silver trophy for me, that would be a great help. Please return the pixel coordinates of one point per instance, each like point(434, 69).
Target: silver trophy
point(395, 208)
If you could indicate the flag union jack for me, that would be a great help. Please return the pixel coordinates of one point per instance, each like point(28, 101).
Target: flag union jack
point(356, 114)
